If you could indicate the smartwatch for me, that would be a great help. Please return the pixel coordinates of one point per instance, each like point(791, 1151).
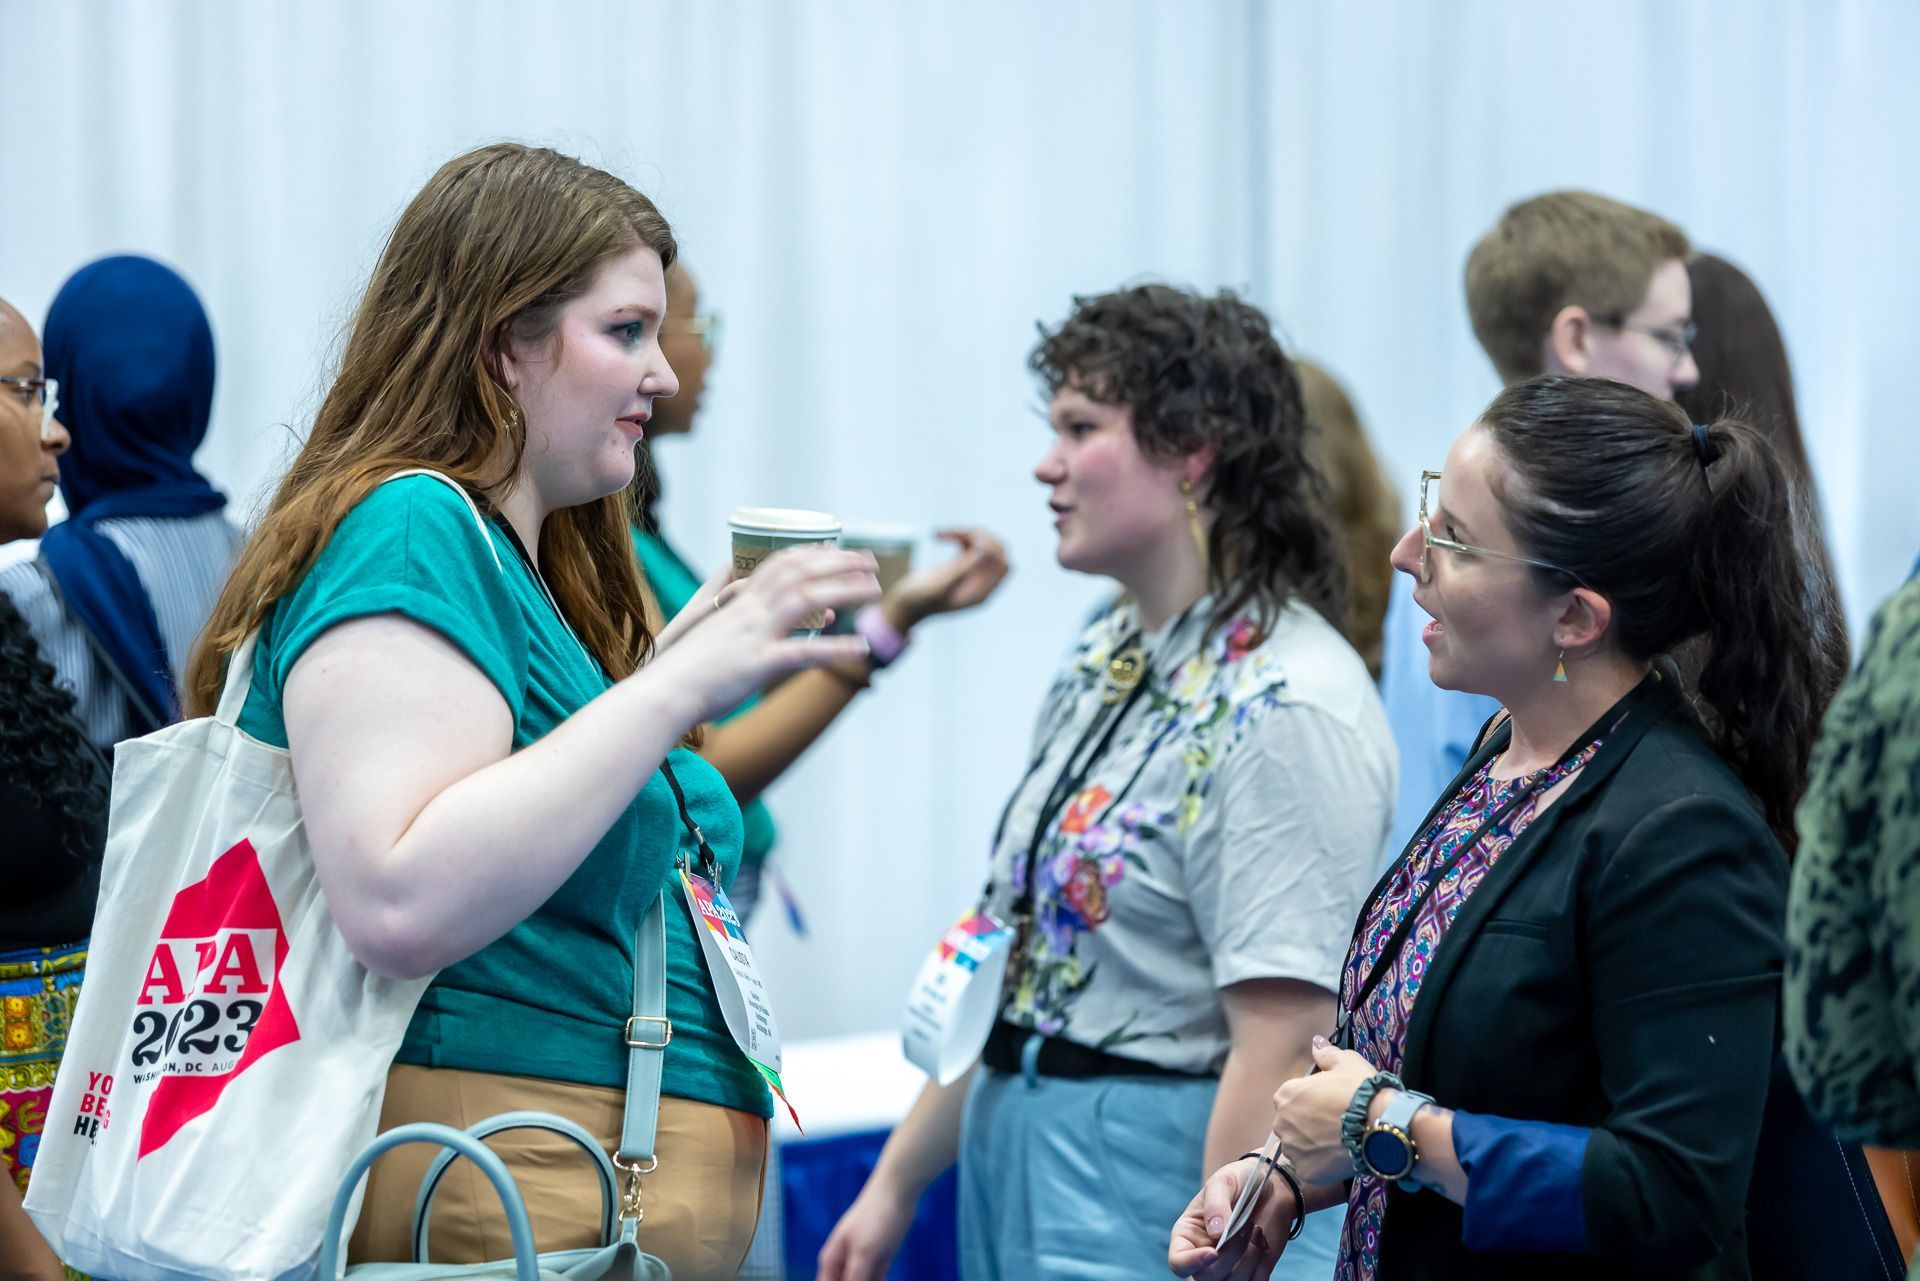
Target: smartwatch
point(1387, 1149)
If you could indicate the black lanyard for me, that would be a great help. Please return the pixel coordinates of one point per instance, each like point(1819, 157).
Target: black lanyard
point(1073, 774)
point(708, 863)
point(1350, 1010)
point(1072, 778)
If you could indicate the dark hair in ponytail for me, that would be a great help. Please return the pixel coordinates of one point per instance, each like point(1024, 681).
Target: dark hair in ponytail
point(1693, 535)
point(1201, 371)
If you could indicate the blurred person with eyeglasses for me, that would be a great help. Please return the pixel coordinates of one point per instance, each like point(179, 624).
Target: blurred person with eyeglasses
point(764, 736)
point(121, 588)
point(1744, 372)
point(53, 814)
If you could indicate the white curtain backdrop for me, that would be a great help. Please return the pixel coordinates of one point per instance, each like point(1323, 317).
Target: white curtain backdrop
point(883, 199)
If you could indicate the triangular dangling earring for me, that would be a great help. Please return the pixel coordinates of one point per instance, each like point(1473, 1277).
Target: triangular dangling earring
point(1560, 669)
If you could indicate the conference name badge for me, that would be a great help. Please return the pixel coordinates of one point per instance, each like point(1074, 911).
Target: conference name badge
point(744, 1002)
point(954, 1000)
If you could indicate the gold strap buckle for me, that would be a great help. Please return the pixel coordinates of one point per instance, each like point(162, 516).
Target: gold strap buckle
point(666, 1032)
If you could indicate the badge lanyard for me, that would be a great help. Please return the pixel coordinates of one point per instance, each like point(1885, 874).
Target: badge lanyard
point(1073, 776)
point(1344, 1035)
point(744, 1001)
point(959, 990)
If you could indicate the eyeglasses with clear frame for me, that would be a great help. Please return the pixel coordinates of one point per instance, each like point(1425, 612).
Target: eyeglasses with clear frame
point(1428, 542)
point(44, 390)
point(705, 326)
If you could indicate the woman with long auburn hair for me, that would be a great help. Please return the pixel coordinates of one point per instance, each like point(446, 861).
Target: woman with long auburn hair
point(485, 736)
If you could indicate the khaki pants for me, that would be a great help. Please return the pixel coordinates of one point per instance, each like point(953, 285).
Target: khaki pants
point(699, 1208)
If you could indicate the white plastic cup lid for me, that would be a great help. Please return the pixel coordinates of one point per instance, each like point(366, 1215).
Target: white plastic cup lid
point(789, 521)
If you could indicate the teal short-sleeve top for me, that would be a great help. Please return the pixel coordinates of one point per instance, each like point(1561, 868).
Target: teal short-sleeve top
point(551, 997)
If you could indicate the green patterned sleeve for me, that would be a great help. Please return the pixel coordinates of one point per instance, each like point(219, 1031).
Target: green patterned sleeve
point(1852, 1000)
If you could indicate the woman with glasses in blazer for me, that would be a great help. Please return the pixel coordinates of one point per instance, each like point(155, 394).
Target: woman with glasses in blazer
point(1557, 1018)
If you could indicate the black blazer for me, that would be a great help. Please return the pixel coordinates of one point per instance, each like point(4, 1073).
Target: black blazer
point(1619, 968)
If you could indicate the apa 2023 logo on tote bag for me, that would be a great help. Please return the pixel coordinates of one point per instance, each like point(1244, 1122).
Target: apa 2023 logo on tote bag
point(211, 1003)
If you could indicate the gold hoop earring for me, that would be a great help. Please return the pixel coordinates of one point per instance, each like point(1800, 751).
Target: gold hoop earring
point(1193, 519)
point(1560, 669)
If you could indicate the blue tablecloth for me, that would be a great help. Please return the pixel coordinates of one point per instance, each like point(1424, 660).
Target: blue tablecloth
point(819, 1179)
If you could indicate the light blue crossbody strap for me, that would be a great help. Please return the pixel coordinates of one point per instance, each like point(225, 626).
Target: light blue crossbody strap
point(647, 1035)
point(526, 1263)
point(423, 1204)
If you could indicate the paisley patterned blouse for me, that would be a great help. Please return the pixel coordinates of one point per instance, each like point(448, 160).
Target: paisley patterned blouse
point(1380, 1025)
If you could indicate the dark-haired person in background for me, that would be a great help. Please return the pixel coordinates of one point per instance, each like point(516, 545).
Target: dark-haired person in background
point(1806, 1213)
point(1209, 788)
point(1744, 373)
point(53, 813)
point(759, 740)
point(122, 587)
point(1558, 1011)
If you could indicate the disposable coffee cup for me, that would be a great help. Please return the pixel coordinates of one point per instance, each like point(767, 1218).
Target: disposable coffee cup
point(892, 549)
point(891, 545)
point(759, 532)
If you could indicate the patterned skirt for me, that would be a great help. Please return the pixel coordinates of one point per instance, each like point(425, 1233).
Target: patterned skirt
point(38, 987)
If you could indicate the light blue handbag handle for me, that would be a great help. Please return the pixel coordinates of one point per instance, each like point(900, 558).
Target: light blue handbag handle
point(423, 1205)
point(526, 1264)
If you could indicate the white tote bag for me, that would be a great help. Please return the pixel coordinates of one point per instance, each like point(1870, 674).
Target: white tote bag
point(228, 1054)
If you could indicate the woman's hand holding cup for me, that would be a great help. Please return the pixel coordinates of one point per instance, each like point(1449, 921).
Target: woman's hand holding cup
point(737, 638)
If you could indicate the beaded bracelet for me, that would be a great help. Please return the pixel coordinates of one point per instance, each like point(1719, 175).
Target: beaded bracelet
point(1285, 1171)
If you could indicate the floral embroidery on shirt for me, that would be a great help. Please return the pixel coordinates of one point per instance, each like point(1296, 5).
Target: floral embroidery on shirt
point(1193, 714)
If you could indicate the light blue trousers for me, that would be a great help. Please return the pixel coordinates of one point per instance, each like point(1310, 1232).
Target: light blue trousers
point(1082, 1180)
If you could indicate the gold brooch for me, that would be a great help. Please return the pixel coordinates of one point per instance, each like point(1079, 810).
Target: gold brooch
point(1124, 671)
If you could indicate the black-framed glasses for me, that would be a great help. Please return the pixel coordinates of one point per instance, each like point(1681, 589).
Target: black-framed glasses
point(44, 391)
point(1428, 542)
point(1677, 339)
point(705, 326)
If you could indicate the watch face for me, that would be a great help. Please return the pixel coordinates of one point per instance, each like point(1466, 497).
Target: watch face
point(1387, 1153)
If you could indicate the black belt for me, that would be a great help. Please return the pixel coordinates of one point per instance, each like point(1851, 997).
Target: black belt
point(1066, 1058)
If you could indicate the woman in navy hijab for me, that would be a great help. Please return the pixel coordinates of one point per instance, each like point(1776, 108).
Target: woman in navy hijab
point(123, 586)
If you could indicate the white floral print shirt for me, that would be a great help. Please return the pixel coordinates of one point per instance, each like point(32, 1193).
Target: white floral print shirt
point(1229, 832)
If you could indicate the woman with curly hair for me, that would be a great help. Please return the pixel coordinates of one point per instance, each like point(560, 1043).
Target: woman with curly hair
point(53, 805)
point(1210, 785)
